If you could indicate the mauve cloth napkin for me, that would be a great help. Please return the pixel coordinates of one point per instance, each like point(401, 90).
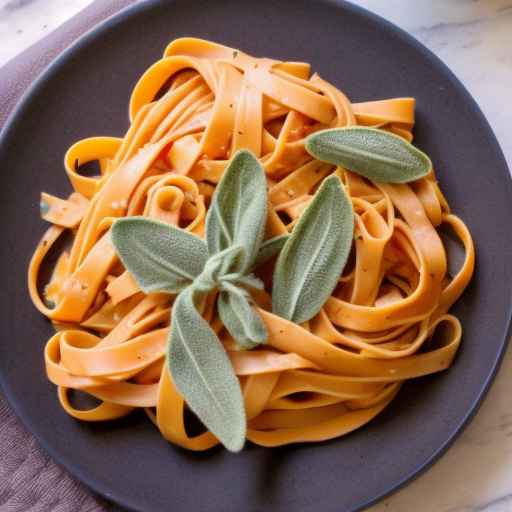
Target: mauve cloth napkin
point(29, 480)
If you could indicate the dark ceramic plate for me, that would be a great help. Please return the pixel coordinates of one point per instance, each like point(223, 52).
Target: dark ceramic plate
point(85, 92)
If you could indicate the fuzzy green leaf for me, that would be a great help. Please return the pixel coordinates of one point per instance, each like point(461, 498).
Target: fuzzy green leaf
point(203, 374)
point(161, 258)
point(240, 318)
point(218, 266)
point(238, 210)
point(375, 154)
point(270, 248)
point(313, 258)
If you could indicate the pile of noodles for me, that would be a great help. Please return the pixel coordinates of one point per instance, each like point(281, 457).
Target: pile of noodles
point(189, 112)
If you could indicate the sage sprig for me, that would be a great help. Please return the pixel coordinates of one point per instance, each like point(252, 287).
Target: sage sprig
point(373, 153)
point(312, 259)
point(164, 258)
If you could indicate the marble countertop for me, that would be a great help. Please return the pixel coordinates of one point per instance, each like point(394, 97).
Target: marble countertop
point(474, 38)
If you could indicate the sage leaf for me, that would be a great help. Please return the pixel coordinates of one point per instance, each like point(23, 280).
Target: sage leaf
point(240, 318)
point(238, 210)
point(270, 248)
point(375, 154)
point(312, 259)
point(161, 258)
point(245, 281)
point(218, 267)
point(202, 372)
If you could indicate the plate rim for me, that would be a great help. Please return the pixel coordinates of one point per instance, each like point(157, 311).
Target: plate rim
point(134, 10)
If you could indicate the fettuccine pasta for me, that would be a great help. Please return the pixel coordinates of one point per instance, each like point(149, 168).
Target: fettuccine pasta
point(189, 112)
